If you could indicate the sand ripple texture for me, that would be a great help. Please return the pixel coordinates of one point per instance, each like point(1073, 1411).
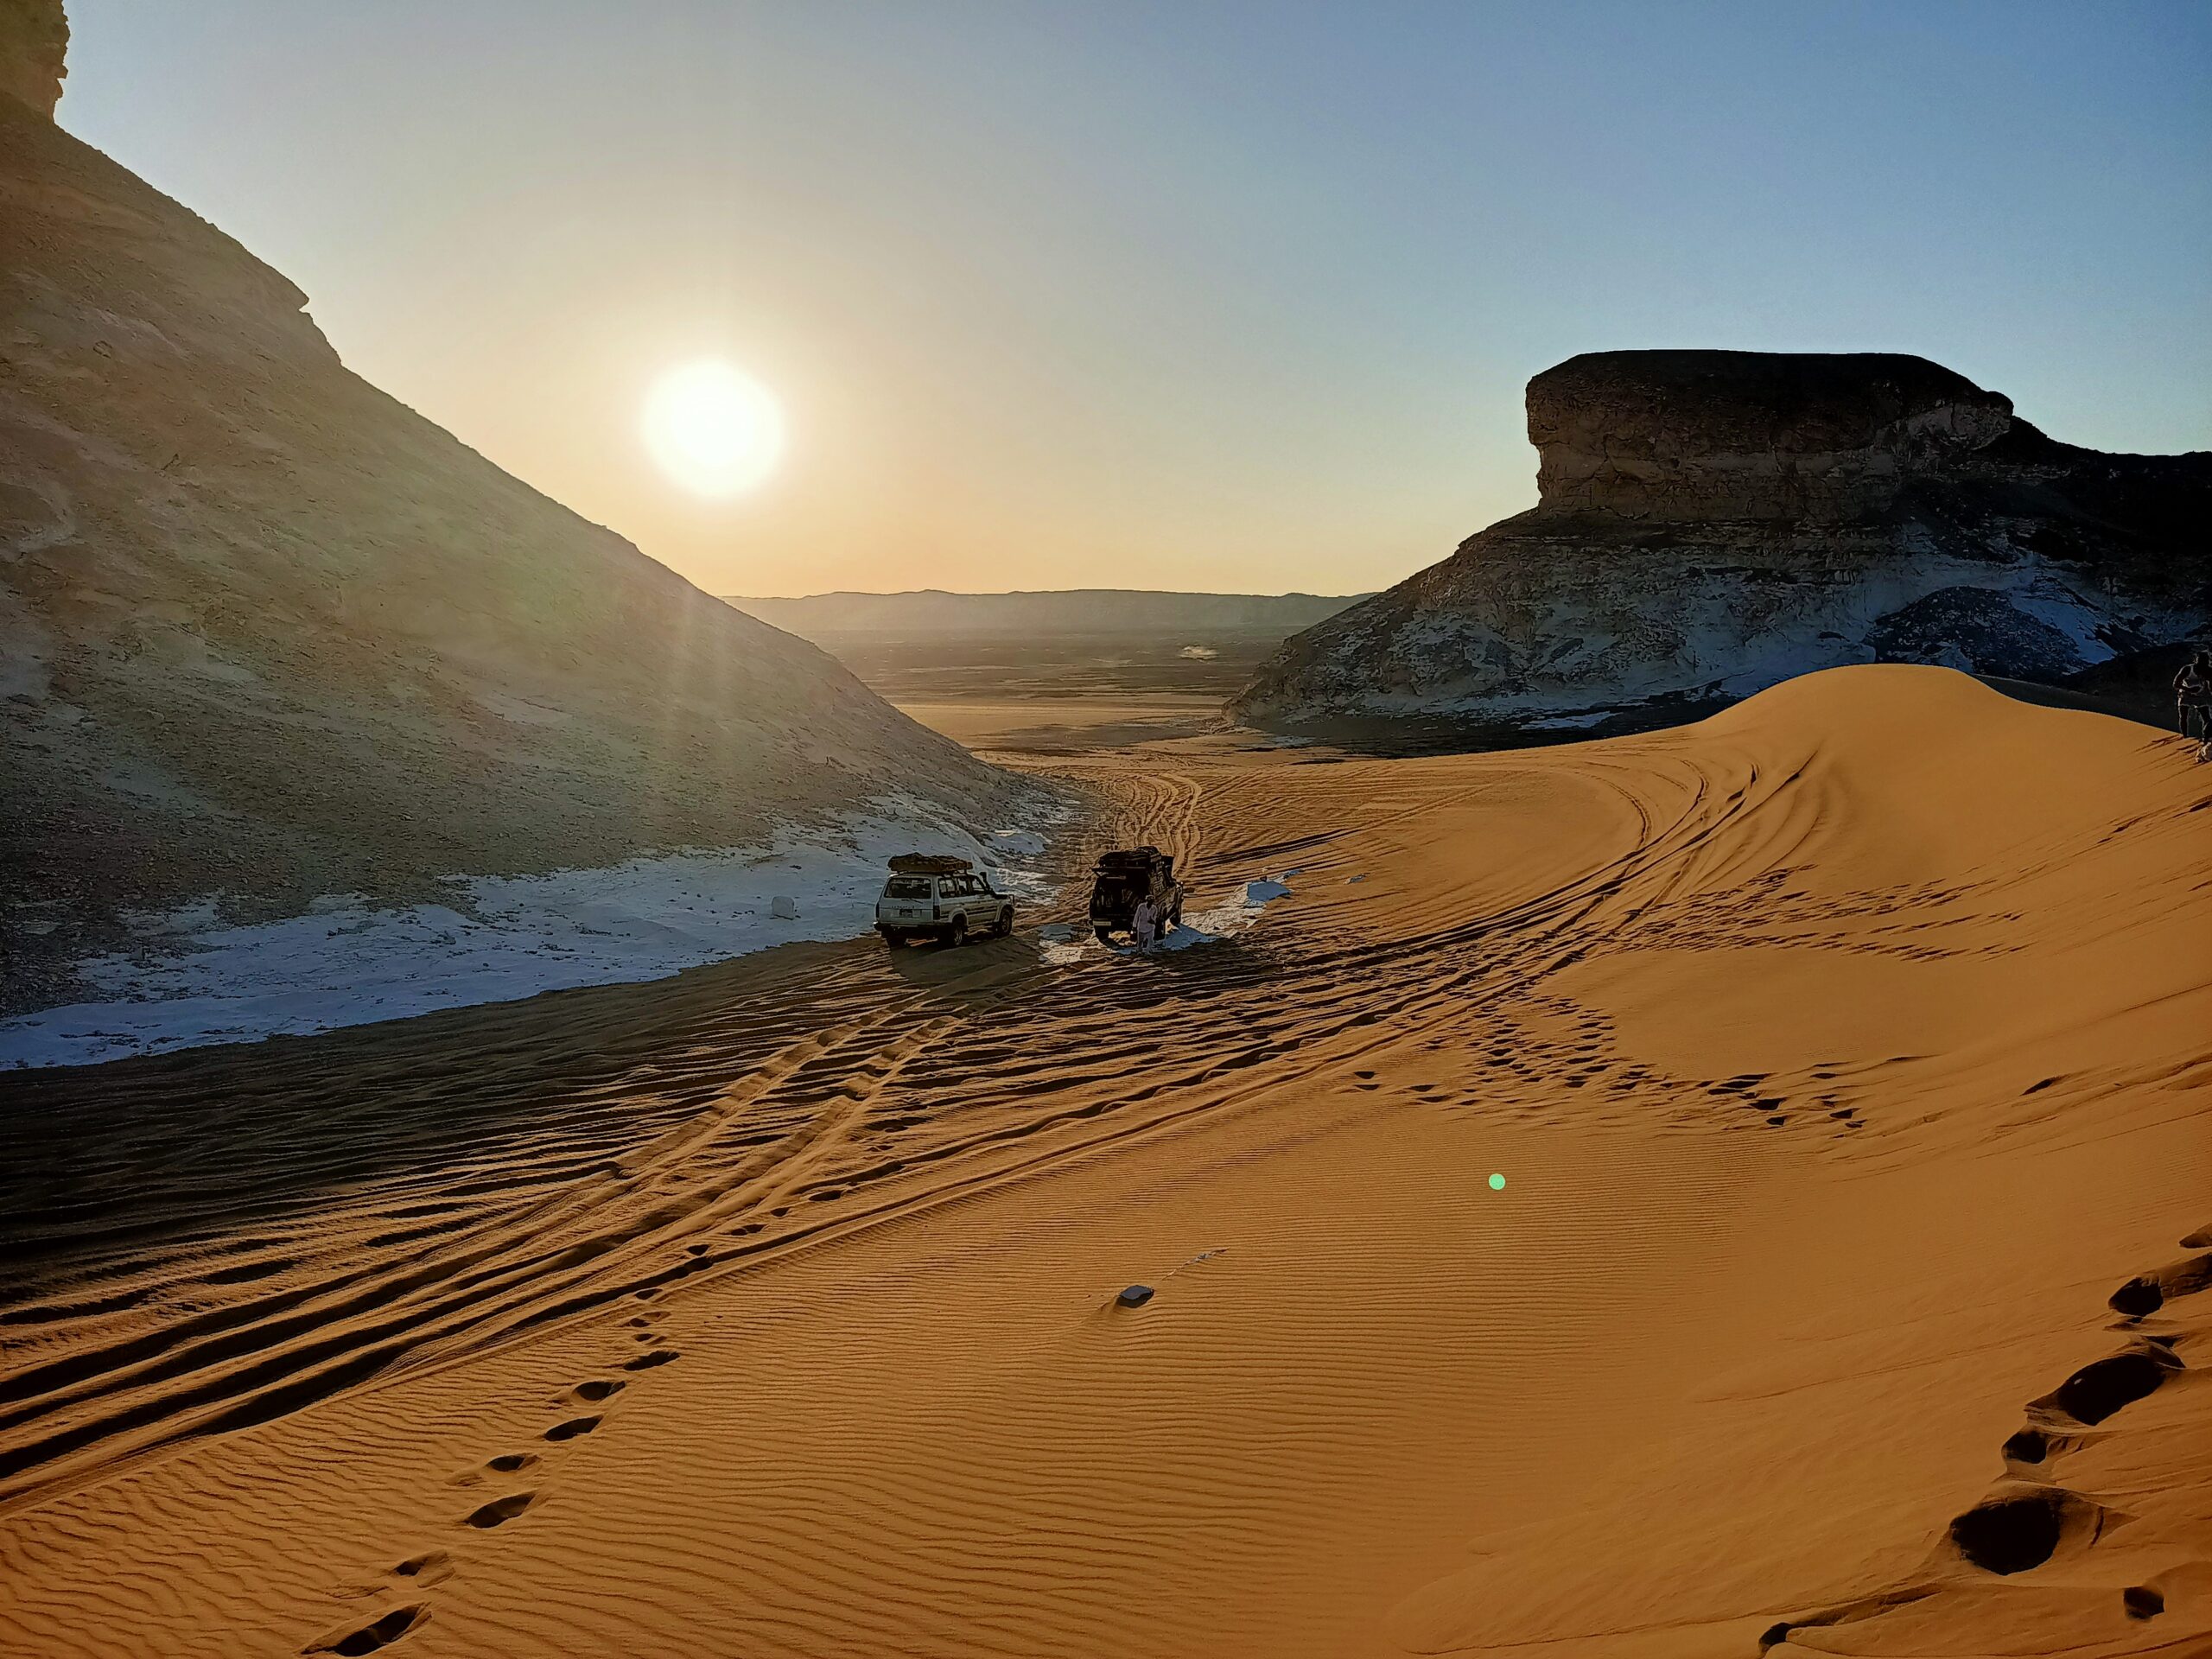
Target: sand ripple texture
point(1846, 1057)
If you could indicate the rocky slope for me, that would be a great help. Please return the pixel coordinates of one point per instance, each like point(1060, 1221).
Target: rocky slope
point(268, 634)
point(1711, 522)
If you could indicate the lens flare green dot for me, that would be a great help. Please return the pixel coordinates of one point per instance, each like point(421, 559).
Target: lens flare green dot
point(1497, 1183)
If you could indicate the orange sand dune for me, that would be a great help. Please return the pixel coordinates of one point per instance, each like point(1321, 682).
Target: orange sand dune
point(1843, 1056)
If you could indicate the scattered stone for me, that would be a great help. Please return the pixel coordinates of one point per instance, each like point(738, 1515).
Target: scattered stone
point(784, 907)
point(1134, 1296)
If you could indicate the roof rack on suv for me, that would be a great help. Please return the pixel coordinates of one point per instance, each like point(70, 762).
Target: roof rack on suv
point(1131, 858)
point(930, 864)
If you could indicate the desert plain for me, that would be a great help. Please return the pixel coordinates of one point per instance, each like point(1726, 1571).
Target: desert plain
point(1738, 1189)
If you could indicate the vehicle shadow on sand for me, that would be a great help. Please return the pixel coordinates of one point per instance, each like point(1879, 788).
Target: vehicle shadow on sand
point(987, 969)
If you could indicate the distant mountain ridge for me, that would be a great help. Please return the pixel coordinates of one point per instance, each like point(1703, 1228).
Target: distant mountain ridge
point(1075, 611)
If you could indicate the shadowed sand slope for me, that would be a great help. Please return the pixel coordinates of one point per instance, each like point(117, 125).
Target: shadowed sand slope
point(1842, 1055)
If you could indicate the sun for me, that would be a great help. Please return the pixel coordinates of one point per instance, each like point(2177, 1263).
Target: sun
point(713, 428)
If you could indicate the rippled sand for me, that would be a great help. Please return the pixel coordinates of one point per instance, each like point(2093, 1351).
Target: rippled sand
point(1841, 1055)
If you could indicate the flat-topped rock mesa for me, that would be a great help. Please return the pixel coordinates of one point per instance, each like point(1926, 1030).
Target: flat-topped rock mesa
point(1711, 522)
point(1697, 435)
point(267, 634)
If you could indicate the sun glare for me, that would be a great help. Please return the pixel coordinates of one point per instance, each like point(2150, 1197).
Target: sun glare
point(712, 429)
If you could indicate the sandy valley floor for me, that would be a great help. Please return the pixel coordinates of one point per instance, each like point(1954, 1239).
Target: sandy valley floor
point(1842, 1056)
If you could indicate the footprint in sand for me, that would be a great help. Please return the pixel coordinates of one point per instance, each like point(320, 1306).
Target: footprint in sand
point(2019, 1530)
point(505, 1464)
point(2025, 1522)
point(431, 1566)
point(499, 1510)
point(2147, 1293)
point(2104, 1387)
point(387, 1629)
point(574, 1426)
point(2028, 1529)
point(2035, 1446)
point(599, 1388)
point(646, 1362)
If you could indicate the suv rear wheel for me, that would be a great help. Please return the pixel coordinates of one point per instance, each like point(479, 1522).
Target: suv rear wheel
point(958, 933)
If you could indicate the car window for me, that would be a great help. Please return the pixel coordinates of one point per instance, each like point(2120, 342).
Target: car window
point(908, 886)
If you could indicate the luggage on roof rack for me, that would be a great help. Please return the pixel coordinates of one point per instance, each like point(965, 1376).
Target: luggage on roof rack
point(930, 864)
point(1134, 858)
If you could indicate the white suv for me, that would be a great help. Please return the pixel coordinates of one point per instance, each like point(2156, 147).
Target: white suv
point(953, 908)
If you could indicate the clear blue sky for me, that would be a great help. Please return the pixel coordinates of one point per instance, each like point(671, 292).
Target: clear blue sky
point(1224, 295)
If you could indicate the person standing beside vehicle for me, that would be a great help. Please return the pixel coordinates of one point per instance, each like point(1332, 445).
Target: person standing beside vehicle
point(2193, 699)
point(1144, 923)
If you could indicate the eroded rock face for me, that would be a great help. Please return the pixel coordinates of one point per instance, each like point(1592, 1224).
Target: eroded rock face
point(267, 634)
point(34, 43)
point(1700, 435)
point(1713, 522)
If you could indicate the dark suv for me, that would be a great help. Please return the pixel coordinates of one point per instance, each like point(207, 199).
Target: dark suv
point(1123, 878)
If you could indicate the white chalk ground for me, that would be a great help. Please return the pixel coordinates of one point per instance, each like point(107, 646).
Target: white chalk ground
point(347, 964)
point(1067, 945)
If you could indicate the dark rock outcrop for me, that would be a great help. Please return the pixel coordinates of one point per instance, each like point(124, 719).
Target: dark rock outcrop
point(266, 632)
point(34, 48)
point(1702, 435)
point(1710, 523)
